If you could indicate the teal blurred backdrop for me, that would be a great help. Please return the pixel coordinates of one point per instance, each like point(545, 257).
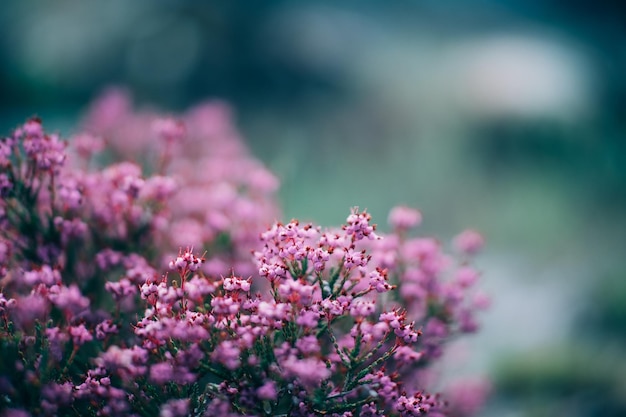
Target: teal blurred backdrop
point(506, 116)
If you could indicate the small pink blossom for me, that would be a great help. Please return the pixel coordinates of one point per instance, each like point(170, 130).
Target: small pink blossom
point(404, 218)
point(267, 391)
point(469, 242)
point(80, 335)
point(169, 129)
point(308, 371)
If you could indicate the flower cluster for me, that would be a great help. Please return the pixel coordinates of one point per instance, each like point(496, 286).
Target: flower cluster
point(217, 196)
point(100, 316)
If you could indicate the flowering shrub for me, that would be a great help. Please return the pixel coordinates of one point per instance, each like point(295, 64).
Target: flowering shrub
point(100, 316)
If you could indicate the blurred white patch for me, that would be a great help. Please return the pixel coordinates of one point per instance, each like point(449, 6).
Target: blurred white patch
point(442, 81)
point(520, 76)
point(533, 308)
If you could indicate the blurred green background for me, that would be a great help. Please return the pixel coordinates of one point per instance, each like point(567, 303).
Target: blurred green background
point(507, 116)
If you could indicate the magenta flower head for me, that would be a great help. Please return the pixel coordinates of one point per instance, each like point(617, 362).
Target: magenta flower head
point(169, 129)
point(469, 241)
point(404, 218)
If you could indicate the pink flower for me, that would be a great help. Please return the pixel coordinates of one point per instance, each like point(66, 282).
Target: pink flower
point(404, 218)
point(308, 371)
point(80, 335)
point(466, 276)
point(308, 345)
point(87, 144)
point(175, 408)
point(121, 289)
point(227, 353)
point(69, 298)
point(467, 395)
point(45, 275)
point(357, 225)
point(361, 308)
point(6, 304)
point(162, 373)
point(378, 280)
point(186, 261)
point(169, 129)
point(469, 242)
point(30, 308)
point(267, 391)
point(236, 284)
point(105, 328)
